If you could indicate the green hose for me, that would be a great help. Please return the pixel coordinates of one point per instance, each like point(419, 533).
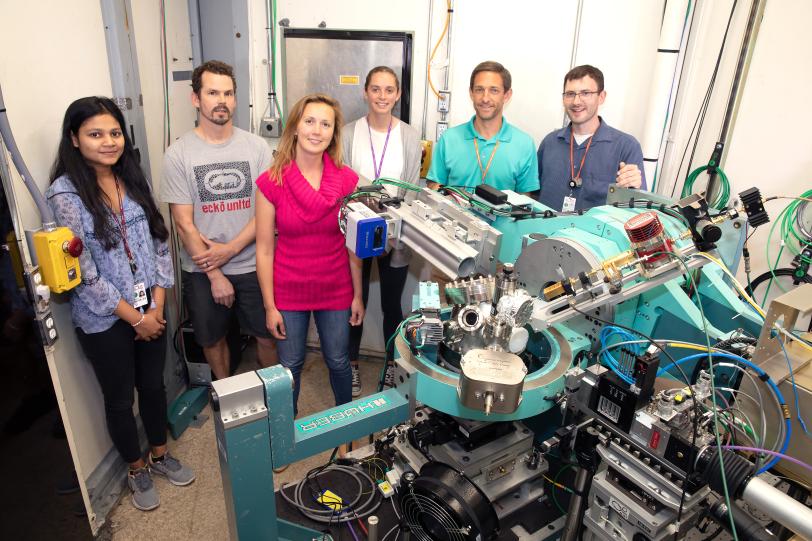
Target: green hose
point(792, 238)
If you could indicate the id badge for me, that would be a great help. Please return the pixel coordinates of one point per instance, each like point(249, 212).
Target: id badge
point(569, 204)
point(140, 295)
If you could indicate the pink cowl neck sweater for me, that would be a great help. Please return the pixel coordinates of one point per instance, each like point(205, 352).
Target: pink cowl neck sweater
point(311, 268)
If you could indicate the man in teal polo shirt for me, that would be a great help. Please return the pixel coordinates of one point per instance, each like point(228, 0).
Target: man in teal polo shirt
point(486, 149)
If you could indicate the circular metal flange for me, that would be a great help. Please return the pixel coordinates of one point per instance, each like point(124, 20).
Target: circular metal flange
point(537, 386)
point(550, 259)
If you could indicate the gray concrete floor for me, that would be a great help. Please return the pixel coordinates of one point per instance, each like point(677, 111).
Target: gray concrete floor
point(197, 511)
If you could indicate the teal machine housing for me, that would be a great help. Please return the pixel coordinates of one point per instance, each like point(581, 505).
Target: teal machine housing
point(599, 232)
point(256, 432)
point(254, 422)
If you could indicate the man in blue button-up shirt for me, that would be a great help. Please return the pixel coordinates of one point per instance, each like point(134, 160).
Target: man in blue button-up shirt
point(579, 162)
point(486, 149)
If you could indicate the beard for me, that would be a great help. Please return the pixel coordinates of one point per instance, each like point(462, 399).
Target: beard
point(220, 121)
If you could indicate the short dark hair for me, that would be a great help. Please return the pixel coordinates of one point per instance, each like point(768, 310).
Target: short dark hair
point(211, 66)
point(579, 72)
point(381, 69)
point(495, 67)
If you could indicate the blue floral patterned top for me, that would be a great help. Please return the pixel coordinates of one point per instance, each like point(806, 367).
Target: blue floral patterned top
point(106, 275)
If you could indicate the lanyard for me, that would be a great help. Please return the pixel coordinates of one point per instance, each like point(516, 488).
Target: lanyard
point(377, 167)
point(484, 172)
point(576, 179)
point(121, 222)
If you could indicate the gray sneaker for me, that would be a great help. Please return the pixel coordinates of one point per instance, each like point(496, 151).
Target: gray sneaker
point(356, 381)
point(172, 469)
point(145, 497)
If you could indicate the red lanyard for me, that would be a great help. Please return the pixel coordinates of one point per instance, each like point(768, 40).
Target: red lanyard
point(583, 159)
point(377, 167)
point(479, 160)
point(121, 222)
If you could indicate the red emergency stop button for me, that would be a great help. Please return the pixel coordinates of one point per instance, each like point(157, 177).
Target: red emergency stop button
point(73, 246)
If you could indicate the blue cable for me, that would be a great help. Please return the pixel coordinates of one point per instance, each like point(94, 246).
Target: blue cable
point(763, 376)
point(794, 388)
point(607, 358)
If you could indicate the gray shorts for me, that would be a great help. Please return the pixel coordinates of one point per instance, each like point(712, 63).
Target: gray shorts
point(211, 320)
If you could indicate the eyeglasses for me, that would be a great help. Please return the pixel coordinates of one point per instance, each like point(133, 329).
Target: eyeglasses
point(583, 94)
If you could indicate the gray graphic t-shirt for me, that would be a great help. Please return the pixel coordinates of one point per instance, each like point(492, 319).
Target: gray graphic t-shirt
point(218, 180)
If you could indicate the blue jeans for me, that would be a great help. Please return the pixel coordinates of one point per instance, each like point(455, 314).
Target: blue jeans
point(334, 336)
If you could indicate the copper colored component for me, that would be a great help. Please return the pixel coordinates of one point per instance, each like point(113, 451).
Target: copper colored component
point(553, 291)
point(643, 227)
point(649, 242)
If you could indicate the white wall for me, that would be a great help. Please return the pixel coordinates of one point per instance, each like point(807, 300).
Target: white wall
point(709, 23)
point(533, 39)
point(768, 147)
point(52, 52)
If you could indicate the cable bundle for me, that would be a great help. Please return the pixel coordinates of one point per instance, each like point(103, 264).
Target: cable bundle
point(366, 501)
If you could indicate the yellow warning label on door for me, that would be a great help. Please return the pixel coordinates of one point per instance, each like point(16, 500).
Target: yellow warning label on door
point(349, 80)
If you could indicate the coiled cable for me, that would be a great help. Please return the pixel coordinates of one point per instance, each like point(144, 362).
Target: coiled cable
point(366, 501)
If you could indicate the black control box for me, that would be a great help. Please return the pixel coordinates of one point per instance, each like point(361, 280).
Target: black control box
point(491, 194)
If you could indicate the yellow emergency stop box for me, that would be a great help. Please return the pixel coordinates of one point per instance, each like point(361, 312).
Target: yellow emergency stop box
point(59, 269)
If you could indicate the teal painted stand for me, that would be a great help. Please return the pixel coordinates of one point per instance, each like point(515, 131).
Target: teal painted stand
point(185, 408)
point(270, 438)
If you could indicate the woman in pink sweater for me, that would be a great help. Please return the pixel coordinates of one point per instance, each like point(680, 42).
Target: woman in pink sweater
point(308, 269)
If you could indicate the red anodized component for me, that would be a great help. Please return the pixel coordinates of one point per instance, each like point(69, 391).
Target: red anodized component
point(73, 247)
point(645, 230)
point(643, 227)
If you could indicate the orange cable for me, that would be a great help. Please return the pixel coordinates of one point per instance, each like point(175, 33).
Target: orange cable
point(437, 45)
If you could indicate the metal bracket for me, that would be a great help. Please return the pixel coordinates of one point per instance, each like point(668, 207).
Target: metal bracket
point(785, 310)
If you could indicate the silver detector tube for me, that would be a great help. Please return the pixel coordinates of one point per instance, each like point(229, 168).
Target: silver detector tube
point(779, 507)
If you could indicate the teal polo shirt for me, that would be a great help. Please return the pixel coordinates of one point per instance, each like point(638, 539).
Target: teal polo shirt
point(514, 166)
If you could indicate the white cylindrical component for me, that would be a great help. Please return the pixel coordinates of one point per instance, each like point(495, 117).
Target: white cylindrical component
point(786, 511)
point(662, 81)
point(518, 340)
point(450, 255)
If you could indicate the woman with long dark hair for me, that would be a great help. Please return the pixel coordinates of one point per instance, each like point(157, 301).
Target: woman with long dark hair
point(99, 191)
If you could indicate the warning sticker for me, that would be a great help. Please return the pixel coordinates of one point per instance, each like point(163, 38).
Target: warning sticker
point(349, 80)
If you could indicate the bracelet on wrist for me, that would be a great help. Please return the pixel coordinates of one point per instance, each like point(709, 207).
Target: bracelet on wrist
point(139, 322)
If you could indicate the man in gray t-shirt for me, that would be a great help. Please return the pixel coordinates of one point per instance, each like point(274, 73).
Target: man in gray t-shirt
point(208, 181)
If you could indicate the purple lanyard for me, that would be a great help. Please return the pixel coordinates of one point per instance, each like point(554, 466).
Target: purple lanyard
point(377, 167)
